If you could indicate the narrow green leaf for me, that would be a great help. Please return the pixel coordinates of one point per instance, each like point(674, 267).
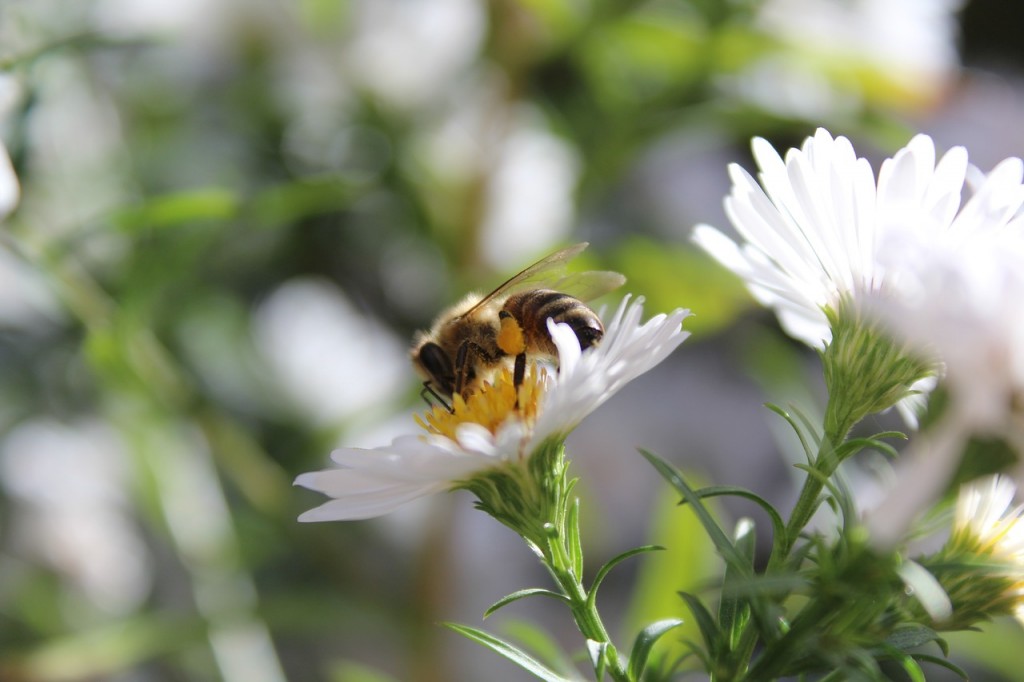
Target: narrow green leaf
point(179, 208)
point(906, 661)
point(855, 445)
point(598, 659)
point(913, 669)
point(516, 596)
point(714, 531)
point(572, 540)
point(778, 525)
point(809, 453)
point(943, 663)
point(541, 645)
point(696, 650)
point(288, 202)
point(507, 650)
point(689, 564)
point(645, 641)
point(732, 614)
point(808, 424)
point(708, 628)
point(612, 563)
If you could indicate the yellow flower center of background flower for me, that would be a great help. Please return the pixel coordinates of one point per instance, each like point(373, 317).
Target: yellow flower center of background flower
point(489, 407)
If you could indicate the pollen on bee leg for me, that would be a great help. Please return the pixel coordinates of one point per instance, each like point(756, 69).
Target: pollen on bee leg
point(490, 406)
point(510, 335)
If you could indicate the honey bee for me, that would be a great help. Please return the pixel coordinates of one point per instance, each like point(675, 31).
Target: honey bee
point(480, 334)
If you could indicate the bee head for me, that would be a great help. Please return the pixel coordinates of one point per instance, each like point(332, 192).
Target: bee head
point(435, 364)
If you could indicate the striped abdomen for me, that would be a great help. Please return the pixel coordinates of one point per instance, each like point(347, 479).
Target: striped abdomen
point(532, 309)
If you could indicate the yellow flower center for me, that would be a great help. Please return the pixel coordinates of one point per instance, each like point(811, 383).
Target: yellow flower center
point(490, 406)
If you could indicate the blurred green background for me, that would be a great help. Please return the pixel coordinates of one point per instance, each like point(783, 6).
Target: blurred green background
point(234, 215)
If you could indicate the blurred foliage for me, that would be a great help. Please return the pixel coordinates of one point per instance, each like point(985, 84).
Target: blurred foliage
point(182, 165)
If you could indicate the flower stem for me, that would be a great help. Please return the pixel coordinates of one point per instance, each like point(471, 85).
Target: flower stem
point(825, 464)
point(583, 607)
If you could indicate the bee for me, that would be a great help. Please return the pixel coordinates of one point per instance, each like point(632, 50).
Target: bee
point(480, 334)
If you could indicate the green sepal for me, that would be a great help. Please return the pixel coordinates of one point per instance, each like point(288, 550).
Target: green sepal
point(509, 651)
point(520, 594)
point(865, 370)
point(645, 641)
point(603, 572)
point(912, 636)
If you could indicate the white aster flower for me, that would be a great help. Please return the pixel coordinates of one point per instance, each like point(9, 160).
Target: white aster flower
point(986, 521)
point(962, 302)
point(490, 429)
point(982, 565)
point(814, 233)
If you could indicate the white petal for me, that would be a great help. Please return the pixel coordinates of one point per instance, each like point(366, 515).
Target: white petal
point(358, 497)
point(10, 191)
point(568, 345)
point(627, 350)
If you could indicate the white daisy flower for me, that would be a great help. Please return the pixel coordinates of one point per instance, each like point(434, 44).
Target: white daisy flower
point(496, 427)
point(962, 302)
point(812, 235)
point(987, 523)
point(982, 564)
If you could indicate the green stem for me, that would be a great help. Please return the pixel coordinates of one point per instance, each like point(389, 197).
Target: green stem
point(837, 427)
point(583, 608)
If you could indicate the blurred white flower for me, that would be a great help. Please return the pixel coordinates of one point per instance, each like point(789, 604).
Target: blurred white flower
point(530, 204)
point(331, 360)
point(815, 232)
point(986, 521)
point(24, 297)
point(962, 302)
point(10, 190)
point(408, 52)
point(911, 44)
point(133, 18)
point(790, 85)
point(988, 530)
point(529, 174)
point(496, 426)
point(72, 508)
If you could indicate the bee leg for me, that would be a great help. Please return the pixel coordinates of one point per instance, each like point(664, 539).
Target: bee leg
point(428, 392)
point(463, 363)
point(519, 374)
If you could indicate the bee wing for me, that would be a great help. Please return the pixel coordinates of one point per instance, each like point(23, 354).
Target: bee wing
point(541, 275)
point(586, 286)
